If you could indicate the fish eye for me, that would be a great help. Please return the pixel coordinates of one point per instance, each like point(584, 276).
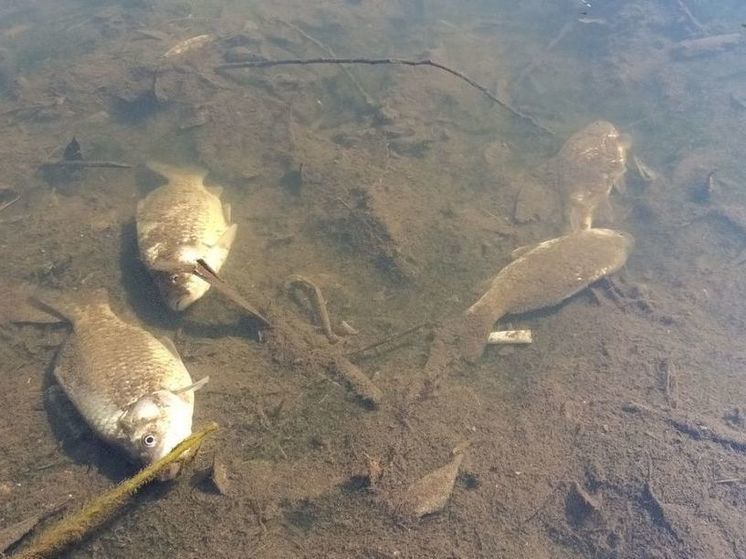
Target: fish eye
point(149, 440)
point(173, 278)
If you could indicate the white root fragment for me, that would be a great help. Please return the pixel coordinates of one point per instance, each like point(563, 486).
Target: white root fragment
point(506, 337)
point(347, 329)
point(187, 45)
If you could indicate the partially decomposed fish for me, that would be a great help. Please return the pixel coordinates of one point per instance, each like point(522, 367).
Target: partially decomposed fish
point(131, 387)
point(179, 223)
point(591, 162)
point(541, 276)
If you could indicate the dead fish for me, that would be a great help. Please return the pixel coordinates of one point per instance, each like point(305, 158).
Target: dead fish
point(131, 387)
point(591, 162)
point(541, 276)
point(179, 223)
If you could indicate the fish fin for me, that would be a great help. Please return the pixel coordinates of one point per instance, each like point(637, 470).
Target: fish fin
point(470, 331)
point(168, 343)
point(140, 206)
point(216, 191)
point(64, 365)
point(520, 251)
point(17, 305)
point(175, 173)
point(227, 212)
point(226, 239)
point(620, 185)
point(68, 308)
point(605, 211)
point(193, 387)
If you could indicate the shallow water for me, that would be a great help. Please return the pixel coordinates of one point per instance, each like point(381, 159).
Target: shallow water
point(401, 191)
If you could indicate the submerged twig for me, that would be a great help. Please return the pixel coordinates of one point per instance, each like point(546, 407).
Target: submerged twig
point(388, 339)
point(391, 61)
point(729, 480)
point(689, 15)
point(317, 302)
point(81, 163)
point(75, 527)
point(10, 202)
point(360, 384)
point(330, 52)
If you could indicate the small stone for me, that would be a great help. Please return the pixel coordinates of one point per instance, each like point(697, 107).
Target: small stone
point(219, 476)
point(431, 493)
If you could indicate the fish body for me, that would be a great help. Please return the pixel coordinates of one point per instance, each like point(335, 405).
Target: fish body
point(179, 223)
point(542, 276)
point(130, 387)
point(591, 162)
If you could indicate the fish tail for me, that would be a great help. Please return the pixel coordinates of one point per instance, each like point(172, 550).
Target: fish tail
point(471, 331)
point(176, 173)
point(70, 308)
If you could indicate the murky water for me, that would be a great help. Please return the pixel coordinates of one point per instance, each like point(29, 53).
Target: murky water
point(400, 191)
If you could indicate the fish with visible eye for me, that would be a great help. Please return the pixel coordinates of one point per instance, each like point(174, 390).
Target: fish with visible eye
point(178, 224)
point(591, 162)
point(131, 387)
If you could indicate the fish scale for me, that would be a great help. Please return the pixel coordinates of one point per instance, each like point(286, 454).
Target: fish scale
point(97, 361)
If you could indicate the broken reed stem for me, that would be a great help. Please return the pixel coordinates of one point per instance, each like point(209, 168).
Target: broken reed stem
point(80, 164)
point(391, 61)
point(75, 527)
point(317, 302)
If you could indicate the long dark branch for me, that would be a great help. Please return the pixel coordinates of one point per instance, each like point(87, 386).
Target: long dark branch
point(391, 61)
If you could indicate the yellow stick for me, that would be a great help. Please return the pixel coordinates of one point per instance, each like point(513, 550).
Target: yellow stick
point(74, 527)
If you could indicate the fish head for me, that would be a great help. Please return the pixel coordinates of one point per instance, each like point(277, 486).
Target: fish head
point(180, 290)
point(622, 241)
point(154, 424)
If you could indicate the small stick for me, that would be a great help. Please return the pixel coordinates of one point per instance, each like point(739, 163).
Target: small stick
point(317, 301)
point(392, 61)
point(10, 202)
point(671, 383)
point(356, 379)
point(730, 480)
point(388, 339)
point(330, 52)
point(689, 15)
point(80, 163)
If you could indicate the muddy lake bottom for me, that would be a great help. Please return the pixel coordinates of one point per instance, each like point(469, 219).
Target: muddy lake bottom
point(620, 432)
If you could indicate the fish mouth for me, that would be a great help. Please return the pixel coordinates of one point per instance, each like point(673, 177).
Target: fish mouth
point(180, 290)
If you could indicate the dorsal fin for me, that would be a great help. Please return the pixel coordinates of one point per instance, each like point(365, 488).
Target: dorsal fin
point(178, 173)
point(168, 343)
